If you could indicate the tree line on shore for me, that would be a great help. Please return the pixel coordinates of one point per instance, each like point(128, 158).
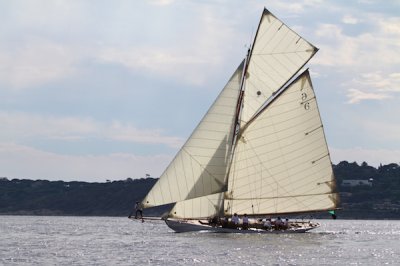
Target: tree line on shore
point(378, 200)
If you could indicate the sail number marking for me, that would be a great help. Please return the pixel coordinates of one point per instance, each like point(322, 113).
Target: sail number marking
point(304, 101)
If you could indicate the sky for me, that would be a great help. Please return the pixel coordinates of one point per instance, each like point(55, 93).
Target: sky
point(96, 90)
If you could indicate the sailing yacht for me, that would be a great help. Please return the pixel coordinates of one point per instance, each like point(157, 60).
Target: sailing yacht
point(259, 151)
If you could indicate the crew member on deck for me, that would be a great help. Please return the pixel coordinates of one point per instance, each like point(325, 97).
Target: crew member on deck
point(139, 210)
point(235, 219)
point(245, 222)
point(268, 224)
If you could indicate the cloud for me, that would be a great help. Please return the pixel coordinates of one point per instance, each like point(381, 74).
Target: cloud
point(18, 126)
point(390, 26)
point(161, 2)
point(35, 63)
point(356, 96)
point(372, 86)
point(19, 161)
point(125, 132)
point(195, 54)
point(296, 8)
point(348, 19)
point(159, 62)
point(373, 53)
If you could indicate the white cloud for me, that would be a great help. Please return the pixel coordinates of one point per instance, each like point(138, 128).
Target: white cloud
point(349, 19)
point(161, 2)
point(390, 25)
point(356, 96)
point(296, 8)
point(18, 161)
point(157, 62)
point(36, 62)
point(125, 132)
point(372, 56)
point(20, 126)
point(373, 157)
point(199, 52)
point(372, 86)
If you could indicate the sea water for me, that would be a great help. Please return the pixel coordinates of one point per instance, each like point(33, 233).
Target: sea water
point(41, 240)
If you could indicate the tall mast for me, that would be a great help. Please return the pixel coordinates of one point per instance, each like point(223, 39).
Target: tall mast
point(239, 107)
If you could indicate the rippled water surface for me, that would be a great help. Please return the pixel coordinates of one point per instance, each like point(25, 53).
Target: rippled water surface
point(34, 240)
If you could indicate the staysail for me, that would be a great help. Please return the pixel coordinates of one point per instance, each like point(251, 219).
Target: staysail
point(278, 53)
point(201, 166)
point(281, 163)
point(207, 206)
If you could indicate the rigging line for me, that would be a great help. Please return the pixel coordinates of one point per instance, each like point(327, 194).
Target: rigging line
point(194, 182)
point(275, 33)
point(308, 100)
point(278, 93)
point(289, 43)
point(285, 197)
point(262, 69)
point(282, 39)
point(202, 167)
point(177, 183)
point(248, 178)
point(284, 53)
point(265, 116)
point(320, 158)
point(184, 172)
point(321, 126)
point(299, 133)
point(276, 182)
point(271, 63)
point(269, 29)
point(262, 164)
point(313, 181)
point(239, 109)
point(284, 65)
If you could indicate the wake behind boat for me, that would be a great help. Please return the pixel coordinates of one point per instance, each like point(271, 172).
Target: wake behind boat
point(260, 150)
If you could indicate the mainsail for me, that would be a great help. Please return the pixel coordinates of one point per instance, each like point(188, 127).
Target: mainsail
point(260, 149)
point(281, 162)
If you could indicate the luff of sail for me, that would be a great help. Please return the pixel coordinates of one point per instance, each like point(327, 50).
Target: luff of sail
point(281, 162)
point(201, 166)
point(278, 53)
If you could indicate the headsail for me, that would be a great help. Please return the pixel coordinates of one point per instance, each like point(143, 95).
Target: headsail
point(207, 206)
point(281, 162)
point(201, 166)
point(278, 53)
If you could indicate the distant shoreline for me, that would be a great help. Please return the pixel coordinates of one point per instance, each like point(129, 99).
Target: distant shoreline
point(366, 193)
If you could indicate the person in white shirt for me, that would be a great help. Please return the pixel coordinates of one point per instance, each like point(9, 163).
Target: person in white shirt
point(268, 224)
point(235, 219)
